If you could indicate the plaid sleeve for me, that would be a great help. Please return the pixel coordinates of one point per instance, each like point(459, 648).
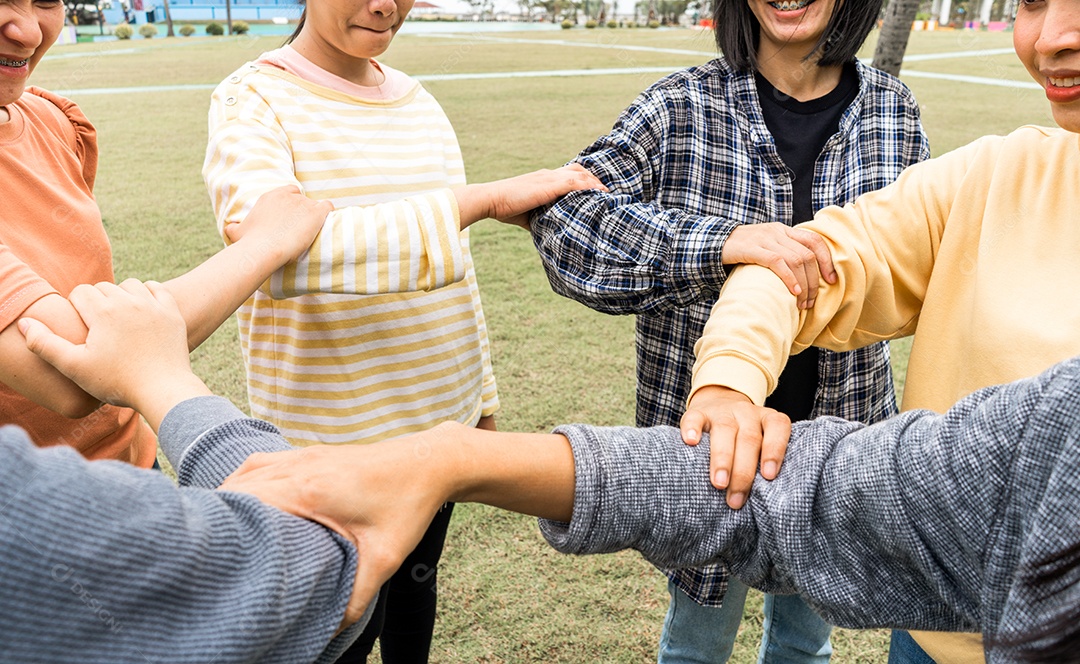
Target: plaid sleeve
point(624, 251)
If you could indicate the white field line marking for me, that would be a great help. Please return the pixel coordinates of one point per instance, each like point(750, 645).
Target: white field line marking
point(979, 80)
point(562, 42)
point(960, 78)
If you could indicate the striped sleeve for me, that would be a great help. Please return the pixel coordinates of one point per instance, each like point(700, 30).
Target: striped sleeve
point(489, 390)
point(411, 244)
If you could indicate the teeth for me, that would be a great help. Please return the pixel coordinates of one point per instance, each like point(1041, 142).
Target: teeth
point(1064, 82)
point(12, 63)
point(790, 5)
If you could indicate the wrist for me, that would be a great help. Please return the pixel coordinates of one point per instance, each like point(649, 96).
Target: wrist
point(472, 200)
point(156, 399)
point(454, 469)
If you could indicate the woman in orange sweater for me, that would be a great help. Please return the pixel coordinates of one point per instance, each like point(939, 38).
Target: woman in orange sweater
point(52, 239)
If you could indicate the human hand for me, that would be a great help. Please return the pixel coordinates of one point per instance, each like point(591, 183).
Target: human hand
point(510, 200)
point(739, 433)
point(136, 349)
point(282, 220)
point(381, 496)
point(793, 254)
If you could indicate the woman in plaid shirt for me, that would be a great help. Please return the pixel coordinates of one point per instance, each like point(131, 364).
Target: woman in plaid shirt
point(708, 168)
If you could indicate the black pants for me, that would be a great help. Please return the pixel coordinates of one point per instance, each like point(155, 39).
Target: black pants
point(404, 616)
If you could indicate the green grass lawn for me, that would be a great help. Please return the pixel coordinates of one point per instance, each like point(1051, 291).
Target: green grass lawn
point(505, 596)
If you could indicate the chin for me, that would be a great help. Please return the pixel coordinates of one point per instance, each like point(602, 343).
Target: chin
point(1068, 120)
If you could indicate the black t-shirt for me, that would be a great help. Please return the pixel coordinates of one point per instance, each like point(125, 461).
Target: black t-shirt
point(801, 129)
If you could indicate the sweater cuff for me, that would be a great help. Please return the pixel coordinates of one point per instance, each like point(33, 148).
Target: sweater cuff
point(207, 438)
point(189, 420)
point(735, 373)
point(574, 537)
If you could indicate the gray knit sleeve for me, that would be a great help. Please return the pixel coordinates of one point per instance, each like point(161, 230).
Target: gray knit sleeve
point(104, 562)
point(874, 526)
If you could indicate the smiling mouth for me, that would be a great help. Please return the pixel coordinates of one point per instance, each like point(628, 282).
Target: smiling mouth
point(13, 63)
point(790, 5)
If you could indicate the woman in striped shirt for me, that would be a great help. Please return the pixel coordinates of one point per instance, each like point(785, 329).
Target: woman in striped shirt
point(378, 330)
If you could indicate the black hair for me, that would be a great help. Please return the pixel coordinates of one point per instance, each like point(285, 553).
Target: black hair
point(300, 23)
point(1055, 577)
point(738, 31)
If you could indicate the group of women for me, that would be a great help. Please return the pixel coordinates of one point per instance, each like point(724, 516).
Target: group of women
point(341, 180)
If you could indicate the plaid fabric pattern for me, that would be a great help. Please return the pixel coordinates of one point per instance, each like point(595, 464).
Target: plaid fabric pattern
point(689, 161)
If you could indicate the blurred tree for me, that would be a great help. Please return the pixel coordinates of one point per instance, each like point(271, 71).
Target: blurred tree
point(892, 42)
point(168, 19)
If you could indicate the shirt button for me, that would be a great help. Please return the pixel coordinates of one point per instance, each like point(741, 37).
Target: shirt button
point(229, 101)
point(783, 178)
point(234, 79)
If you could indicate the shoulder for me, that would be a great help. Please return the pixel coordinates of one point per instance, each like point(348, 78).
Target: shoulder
point(63, 119)
point(59, 114)
point(713, 78)
point(879, 86)
point(251, 92)
point(1047, 145)
point(711, 89)
point(248, 77)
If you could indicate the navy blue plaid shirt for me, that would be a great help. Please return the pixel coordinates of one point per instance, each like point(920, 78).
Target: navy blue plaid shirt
point(689, 161)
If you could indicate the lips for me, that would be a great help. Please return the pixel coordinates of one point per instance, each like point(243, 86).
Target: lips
point(1063, 89)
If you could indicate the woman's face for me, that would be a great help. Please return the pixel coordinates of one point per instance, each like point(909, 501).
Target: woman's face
point(27, 29)
point(794, 25)
point(1046, 36)
point(355, 29)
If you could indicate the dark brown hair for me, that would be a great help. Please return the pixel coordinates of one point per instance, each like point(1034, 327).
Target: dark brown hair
point(299, 24)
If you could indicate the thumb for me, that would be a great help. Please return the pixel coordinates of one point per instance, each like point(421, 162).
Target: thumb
point(233, 232)
point(42, 342)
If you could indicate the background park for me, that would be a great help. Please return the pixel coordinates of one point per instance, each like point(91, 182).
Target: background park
point(519, 101)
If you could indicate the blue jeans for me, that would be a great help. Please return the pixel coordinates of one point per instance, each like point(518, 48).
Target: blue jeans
point(695, 634)
point(904, 650)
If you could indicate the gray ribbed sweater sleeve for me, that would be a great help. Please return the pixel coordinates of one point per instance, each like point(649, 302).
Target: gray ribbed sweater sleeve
point(917, 522)
point(104, 562)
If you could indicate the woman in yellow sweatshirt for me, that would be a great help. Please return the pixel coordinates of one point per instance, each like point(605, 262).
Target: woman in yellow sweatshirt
point(975, 253)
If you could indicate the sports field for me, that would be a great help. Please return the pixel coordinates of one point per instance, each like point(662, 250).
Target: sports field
point(519, 101)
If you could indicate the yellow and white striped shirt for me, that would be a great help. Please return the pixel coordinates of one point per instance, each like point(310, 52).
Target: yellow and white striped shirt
point(378, 330)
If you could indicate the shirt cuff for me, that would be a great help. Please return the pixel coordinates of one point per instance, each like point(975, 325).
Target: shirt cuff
point(735, 373)
point(189, 420)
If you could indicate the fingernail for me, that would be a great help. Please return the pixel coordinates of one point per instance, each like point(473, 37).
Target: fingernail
point(768, 470)
point(721, 478)
point(24, 325)
point(691, 434)
point(736, 500)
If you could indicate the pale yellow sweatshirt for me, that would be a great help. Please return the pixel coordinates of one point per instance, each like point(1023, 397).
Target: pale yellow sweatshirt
point(976, 253)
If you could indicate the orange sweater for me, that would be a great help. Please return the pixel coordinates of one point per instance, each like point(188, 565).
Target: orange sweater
point(51, 240)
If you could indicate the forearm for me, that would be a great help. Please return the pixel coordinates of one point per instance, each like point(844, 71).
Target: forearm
point(32, 377)
point(521, 472)
point(412, 244)
point(883, 249)
point(208, 294)
point(247, 583)
point(858, 517)
point(617, 254)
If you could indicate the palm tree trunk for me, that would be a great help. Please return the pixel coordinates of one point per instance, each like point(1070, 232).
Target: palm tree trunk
point(894, 35)
point(168, 20)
